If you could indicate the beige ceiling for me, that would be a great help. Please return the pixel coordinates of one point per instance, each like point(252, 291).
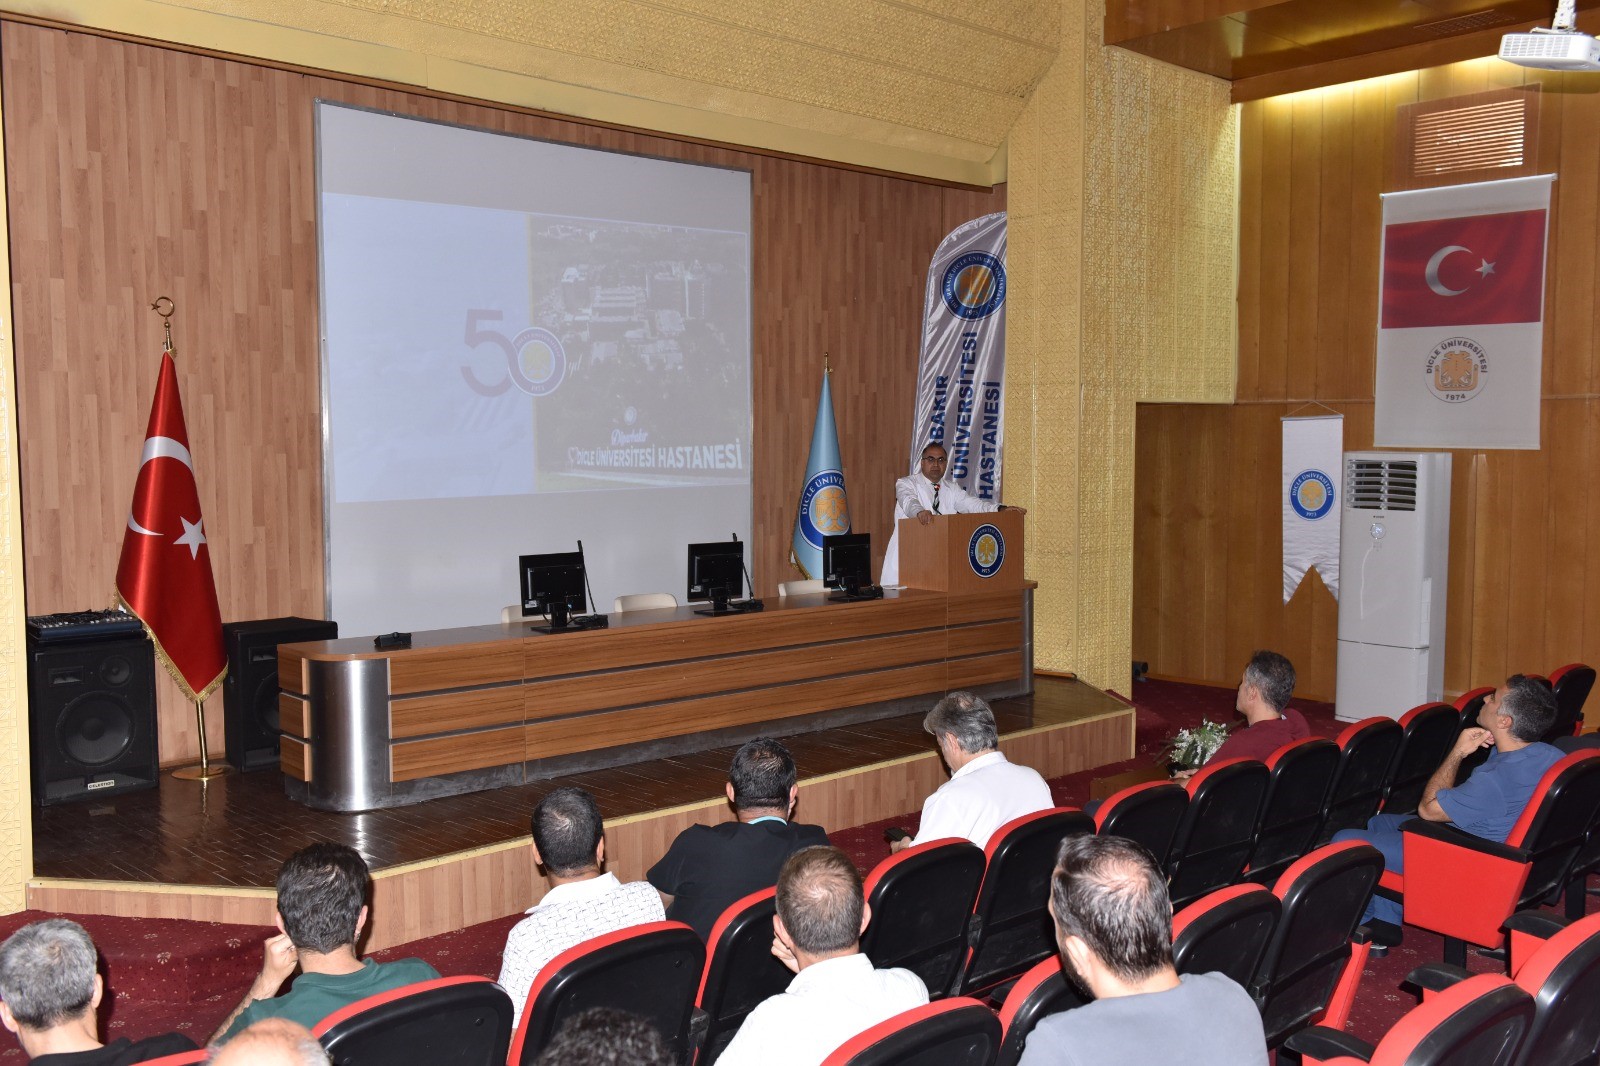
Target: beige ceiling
point(927, 87)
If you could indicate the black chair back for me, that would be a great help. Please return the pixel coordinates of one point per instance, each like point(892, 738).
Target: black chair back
point(1556, 824)
point(650, 970)
point(1469, 704)
point(1011, 928)
point(452, 1021)
point(954, 1032)
point(1226, 932)
point(1217, 833)
point(1291, 816)
point(1039, 993)
point(1430, 730)
point(1563, 977)
point(1366, 755)
point(740, 972)
point(1571, 684)
point(1147, 813)
point(921, 902)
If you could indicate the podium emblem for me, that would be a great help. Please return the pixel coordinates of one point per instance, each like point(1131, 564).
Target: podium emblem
point(986, 551)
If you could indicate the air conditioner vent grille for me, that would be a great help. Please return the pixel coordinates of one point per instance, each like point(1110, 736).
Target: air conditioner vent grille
point(1380, 484)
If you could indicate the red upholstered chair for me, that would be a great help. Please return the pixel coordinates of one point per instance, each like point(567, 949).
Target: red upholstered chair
point(651, 970)
point(1039, 993)
point(921, 900)
point(1011, 928)
point(1226, 931)
point(1482, 1021)
point(1147, 813)
point(1469, 704)
point(1312, 965)
point(1571, 683)
point(181, 1058)
point(1429, 731)
point(1366, 755)
point(1217, 833)
point(1300, 775)
point(1556, 963)
point(952, 1032)
point(740, 972)
point(451, 1021)
point(1464, 887)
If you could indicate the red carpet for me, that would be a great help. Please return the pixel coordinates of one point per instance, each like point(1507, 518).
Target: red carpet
point(186, 976)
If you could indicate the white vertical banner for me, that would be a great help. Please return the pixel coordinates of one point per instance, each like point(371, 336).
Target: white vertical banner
point(1461, 317)
point(961, 376)
point(1313, 451)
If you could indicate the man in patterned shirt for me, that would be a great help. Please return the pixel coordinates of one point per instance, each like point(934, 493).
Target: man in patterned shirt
point(582, 902)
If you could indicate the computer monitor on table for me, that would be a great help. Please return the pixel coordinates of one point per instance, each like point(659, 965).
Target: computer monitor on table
point(847, 566)
point(553, 586)
point(716, 573)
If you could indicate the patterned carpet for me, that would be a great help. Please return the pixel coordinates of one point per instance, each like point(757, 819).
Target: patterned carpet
point(186, 976)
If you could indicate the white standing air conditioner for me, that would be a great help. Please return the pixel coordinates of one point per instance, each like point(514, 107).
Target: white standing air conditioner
point(1394, 555)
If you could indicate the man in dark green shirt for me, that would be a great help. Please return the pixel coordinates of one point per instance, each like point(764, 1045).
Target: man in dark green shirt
point(322, 908)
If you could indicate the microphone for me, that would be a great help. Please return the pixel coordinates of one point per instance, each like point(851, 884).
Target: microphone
point(751, 604)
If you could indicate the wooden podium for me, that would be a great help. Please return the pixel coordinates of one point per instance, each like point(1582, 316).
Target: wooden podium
point(963, 553)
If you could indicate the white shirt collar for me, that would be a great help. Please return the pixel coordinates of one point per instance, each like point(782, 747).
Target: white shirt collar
point(840, 968)
point(988, 758)
point(578, 891)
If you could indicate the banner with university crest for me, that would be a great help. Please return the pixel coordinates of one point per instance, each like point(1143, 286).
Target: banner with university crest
point(1313, 462)
point(1461, 316)
point(824, 508)
point(961, 376)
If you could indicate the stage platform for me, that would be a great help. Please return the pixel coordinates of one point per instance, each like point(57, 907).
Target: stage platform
point(211, 852)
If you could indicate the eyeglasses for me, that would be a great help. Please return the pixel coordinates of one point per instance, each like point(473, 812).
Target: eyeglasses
point(934, 459)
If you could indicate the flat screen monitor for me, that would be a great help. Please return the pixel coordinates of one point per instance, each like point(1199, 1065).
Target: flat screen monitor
point(555, 577)
point(716, 571)
point(847, 561)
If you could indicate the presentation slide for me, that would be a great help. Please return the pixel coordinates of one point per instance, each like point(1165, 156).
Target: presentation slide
point(525, 345)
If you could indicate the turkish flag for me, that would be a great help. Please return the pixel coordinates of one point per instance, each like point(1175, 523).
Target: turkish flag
point(1466, 271)
point(164, 575)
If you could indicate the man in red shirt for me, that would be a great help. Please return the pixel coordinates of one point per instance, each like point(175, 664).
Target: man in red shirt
point(1264, 701)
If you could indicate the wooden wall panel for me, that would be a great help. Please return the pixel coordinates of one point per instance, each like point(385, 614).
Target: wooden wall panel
point(134, 172)
point(1207, 571)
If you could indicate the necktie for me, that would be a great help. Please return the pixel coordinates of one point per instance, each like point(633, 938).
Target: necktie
point(935, 499)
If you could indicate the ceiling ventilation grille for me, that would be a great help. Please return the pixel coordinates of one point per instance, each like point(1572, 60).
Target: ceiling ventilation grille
point(1380, 484)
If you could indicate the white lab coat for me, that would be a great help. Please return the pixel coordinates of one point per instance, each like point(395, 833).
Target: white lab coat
point(912, 496)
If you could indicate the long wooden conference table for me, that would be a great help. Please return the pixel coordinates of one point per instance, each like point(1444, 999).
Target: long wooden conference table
point(489, 706)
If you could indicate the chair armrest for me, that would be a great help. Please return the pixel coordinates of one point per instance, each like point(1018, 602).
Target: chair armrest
point(699, 1025)
point(1540, 924)
point(1320, 1042)
point(1433, 977)
point(1446, 833)
point(1439, 860)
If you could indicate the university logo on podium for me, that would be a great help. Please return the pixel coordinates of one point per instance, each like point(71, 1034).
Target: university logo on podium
point(986, 551)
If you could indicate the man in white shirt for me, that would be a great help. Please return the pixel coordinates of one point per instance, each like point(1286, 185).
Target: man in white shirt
point(985, 790)
point(836, 993)
point(925, 494)
point(568, 841)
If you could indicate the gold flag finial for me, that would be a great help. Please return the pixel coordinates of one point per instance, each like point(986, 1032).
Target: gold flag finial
point(166, 319)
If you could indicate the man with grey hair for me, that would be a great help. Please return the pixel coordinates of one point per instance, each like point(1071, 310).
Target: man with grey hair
point(271, 1042)
point(1263, 699)
point(50, 991)
point(836, 993)
point(985, 791)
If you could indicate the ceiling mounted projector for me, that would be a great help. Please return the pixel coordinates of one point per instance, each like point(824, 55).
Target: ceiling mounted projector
point(1561, 47)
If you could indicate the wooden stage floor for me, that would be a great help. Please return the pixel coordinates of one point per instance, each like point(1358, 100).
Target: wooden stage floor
point(224, 842)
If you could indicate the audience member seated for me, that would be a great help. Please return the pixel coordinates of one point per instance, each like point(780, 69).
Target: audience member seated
point(1270, 722)
point(322, 908)
point(568, 841)
point(709, 867)
point(272, 1042)
point(50, 989)
point(1113, 924)
point(601, 1036)
point(836, 993)
point(985, 791)
point(1488, 803)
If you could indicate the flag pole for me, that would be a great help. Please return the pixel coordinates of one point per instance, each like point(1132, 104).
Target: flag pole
point(205, 771)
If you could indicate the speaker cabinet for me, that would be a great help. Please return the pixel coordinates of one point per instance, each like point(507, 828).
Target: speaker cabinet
point(250, 691)
point(92, 718)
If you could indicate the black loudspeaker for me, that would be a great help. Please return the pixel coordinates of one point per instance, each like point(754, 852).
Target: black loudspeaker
point(92, 718)
point(250, 691)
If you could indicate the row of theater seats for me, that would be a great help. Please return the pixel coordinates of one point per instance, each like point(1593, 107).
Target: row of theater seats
point(1541, 1015)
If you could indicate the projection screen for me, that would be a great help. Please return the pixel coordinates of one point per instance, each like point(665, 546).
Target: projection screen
point(524, 344)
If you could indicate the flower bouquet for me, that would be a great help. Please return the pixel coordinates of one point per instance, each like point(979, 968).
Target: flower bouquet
point(1190, 749)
